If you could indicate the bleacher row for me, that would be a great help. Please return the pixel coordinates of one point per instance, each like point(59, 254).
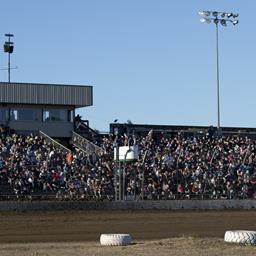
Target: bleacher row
point(175, 167)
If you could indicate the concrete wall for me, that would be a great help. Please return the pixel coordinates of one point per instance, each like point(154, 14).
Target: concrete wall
point(135, 205)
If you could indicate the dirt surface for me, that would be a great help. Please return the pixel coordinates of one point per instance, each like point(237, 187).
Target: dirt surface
point(185, 246)
point(43, 233)
point(74, 226)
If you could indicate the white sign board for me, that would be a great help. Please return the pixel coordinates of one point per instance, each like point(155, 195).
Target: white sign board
point(127, 153)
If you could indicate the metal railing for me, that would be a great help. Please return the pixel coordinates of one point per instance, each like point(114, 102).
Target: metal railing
point(84, 144)
point(54, 142)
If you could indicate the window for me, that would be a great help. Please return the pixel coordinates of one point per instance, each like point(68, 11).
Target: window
point(4, 114)
point(24, 114)
point(71, 116)
point(13, 114)
point(55, 115)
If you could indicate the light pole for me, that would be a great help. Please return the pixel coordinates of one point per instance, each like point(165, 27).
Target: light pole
point(8, 47)
point(143, 174)
point(121, 156)
point(118, 174)
point(125, 156)
point(223, 18)
point(130, 149)
point(124, 166)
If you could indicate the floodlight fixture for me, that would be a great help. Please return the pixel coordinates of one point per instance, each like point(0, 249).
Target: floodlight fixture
point(216, 21)
point(223, 23)
point(6, 48)
point(215, 14)
point(205, 20)
point(204, 13)
point(223, 18)
point(11, 48)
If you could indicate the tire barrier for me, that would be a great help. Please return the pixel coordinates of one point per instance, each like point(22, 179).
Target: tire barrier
point(241, 236)
point(115, 239)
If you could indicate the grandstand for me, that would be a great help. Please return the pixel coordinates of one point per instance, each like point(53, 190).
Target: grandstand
point(168, 168)
point(143, 129)
point(47, 151)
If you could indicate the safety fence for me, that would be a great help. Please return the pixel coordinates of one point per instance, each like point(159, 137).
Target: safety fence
point(66, 197)
point(42, 205)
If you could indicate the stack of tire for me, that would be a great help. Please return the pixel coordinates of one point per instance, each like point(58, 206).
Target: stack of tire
point(241, 236)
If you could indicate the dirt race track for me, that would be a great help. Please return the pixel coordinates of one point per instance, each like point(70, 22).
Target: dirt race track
point(153, 232)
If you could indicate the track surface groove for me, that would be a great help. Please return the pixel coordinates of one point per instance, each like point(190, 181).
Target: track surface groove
point(75, 226)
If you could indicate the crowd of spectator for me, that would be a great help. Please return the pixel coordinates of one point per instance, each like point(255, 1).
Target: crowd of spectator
point(169, 167)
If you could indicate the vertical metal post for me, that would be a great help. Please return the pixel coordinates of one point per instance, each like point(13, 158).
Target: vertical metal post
point(9, 63)
point(8, 47)
point(124, 166)
point(120, 180)
point(134, 187)
point(143, 181)
point(218, 79)
point(124, 179)
point(223, 18)
point(117, 175)
point(143, 174)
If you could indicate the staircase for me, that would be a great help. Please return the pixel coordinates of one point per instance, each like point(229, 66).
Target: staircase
point(54, 142)
point(85, 145)
point(82, 127)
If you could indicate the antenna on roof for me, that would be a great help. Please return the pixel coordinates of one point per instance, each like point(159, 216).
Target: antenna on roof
point(16, 67)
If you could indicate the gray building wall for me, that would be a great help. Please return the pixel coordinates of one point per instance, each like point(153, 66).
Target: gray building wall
point(46, 94)
point(53, 129)
point(43, 97)
point(62, 130)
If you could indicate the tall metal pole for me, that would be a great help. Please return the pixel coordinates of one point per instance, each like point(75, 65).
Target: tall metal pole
point(124, 180)
point(143, 174)
point(9, 63)
point(218, 79)
point(223, 18)
point(8, 47)
point(120, 180)
point(118, 186)
point(124, 169)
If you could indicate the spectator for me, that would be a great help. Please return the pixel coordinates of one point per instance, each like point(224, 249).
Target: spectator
point(175, 167)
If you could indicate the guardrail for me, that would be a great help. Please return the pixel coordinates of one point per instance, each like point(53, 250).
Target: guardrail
point(84, 144)
point(54, 142)
point(67, 197)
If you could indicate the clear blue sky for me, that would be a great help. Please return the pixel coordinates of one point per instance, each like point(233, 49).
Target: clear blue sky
point(149, 61)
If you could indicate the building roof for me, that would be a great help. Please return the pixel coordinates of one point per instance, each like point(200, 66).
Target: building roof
point(46, 94)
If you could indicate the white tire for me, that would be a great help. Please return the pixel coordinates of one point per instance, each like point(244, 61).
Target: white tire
point(241, 236)
point(115, 239)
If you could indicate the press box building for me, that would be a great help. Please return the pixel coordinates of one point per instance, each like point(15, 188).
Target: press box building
point(30, 107)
